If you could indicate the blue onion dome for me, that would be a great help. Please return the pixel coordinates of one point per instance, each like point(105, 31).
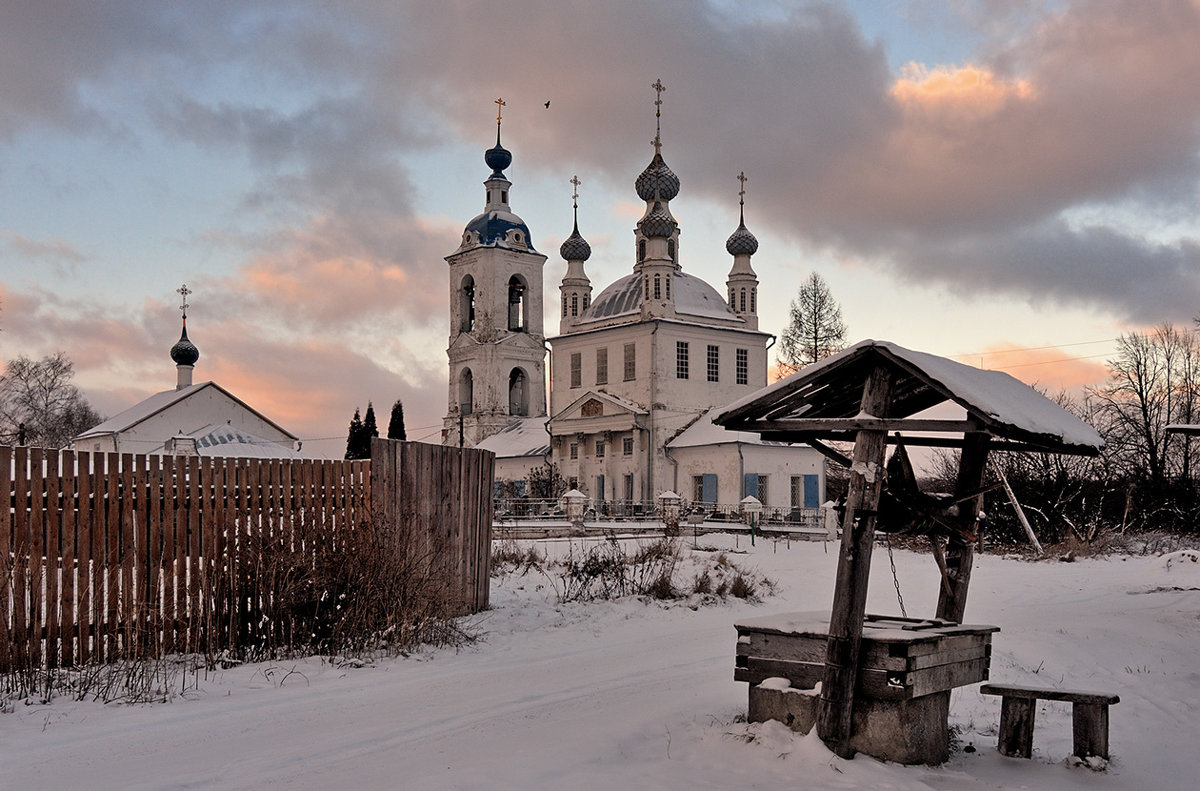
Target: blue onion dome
point(657, 181)
point(184, 352)
point(497, 158)
point(742, 242)
point(575, 248)
point(658, 222)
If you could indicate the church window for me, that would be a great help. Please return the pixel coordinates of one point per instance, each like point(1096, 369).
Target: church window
point(629, 486)
point(466, 391)
point(602, 366)
point(714, 363)
point(681, 359)
point(630, 362)
point(742, 302)
point(743, 366)
point(671, 249)
point(516, 304)
point(574, 304)
point(576, 369)
point(573, 482)
point(627, 446)
point(504, 196)
point(753, 300)
point(647, 286)
point(518, 393)
point(574, 452)
point(599, 449)
point(587, 300)
point(467, 303)
point(669, 278)
point(657, 286)
point(564, 305)
point(732, 301)
point(641, 250)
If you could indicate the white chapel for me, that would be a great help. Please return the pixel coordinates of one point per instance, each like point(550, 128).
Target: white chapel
point(636, 371)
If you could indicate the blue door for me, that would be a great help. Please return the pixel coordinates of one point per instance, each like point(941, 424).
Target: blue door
point(750, 485)
point(812, 491)
point(708, 488)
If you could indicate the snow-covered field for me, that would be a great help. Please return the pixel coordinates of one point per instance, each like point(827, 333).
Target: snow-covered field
point(636, 694)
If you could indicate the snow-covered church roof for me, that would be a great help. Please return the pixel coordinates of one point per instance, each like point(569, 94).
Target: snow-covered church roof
point(693, 297)
point(523, 436)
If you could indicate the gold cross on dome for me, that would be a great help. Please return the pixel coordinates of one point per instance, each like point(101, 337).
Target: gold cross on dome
point(183, 292)
point(500, 103)
point(742, 192)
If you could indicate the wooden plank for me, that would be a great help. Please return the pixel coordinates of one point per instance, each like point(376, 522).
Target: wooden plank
point(1016, 727)
point(22, 564)
point(854, 424)
point(1089, 729)
point(836, 705)
point(139, 556)
point(126, 553)
point(37, 555)
point(99, 556)
point(84, 527)
point(164, 509)
point(69, 538)
point(152, 510)
point(876, 655)
point(960, 551)
point(6, 560)
point(112, 554)
point(52, 516)
point(1041, 693)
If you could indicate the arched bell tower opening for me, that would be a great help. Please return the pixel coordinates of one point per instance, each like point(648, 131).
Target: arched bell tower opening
point(518, 393)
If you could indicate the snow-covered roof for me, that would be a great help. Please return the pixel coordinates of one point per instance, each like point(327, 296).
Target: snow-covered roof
point(222, 439)
point(692, 295)
point(704, 432)
point(152, 405)
point(831, 390)
point(523, 436)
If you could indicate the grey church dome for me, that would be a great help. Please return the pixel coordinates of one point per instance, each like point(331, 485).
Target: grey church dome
point(657, 181)
point(575, 248)
point(497, 158)
point(742, 242)
point(658, 222)
point(184, 352)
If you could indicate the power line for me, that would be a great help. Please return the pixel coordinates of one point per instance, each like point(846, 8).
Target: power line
point(1035, 348)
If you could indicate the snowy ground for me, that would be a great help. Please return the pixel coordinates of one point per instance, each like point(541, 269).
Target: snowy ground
point(640, 695)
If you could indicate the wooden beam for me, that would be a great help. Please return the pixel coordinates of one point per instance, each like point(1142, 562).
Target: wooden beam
point(835, 708)
point(960, 551)
point(863, 423)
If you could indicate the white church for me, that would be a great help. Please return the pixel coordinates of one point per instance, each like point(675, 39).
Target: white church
point(637, 371)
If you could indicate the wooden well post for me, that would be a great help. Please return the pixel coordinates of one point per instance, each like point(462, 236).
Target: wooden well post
point(836, 706)
point(960, 552)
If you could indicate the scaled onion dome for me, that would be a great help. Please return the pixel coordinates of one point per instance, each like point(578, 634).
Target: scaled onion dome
point(575, 248)
point(184, 352)
point(497, 158)
point(657, 181)
point(742, 242)
point(658, 222)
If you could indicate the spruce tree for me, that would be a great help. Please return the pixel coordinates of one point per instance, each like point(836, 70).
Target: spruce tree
point(396, 423)
point(353, 440)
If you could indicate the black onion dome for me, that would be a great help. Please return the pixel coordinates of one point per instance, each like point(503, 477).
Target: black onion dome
point(575, 248)
point(657, 181)
point(658, 223)
point(497, 158)
point(184, 352)
point(742, 242)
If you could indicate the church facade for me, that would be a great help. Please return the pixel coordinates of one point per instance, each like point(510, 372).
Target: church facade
point(635, 370)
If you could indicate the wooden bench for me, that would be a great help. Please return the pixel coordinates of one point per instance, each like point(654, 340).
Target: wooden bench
point(1089, 718)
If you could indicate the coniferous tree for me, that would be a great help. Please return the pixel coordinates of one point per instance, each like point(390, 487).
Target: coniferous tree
point(370, 429)
point(354, 436)
point(396, 423)
point(815, 328)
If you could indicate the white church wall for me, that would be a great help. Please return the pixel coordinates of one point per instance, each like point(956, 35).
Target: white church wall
point(204, 407)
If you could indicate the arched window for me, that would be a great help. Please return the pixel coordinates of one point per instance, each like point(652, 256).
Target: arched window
point(466, 392)
point(647, 286)
point(574, 304)
point(518, 393)
point(657, 286)
point(641, 250)
point(742, 302)
point(732, 300)
point(753, 300)
point(467, 303)
point(564, 305)
point(516, 304)
point(669, 278)
point(587, 300)
point(671, 249)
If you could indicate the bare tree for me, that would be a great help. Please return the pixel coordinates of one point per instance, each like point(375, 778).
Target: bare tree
point(39, 404)
point(815, 328)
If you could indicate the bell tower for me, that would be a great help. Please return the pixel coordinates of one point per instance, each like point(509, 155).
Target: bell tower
point(496, 349)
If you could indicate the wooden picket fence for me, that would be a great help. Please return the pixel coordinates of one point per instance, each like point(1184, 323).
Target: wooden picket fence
point(107, 557)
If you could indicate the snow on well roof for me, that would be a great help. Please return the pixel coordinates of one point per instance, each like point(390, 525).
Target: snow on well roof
point(704, 432)
point(832, 388)
point(523, 436)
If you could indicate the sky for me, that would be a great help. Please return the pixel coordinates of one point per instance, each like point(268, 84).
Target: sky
point(1011, 184)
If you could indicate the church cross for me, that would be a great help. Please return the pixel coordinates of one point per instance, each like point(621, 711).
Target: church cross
point(183, 292)
point(575, 195)
point(658, 90)
point(742, 192)
point(500, 103)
